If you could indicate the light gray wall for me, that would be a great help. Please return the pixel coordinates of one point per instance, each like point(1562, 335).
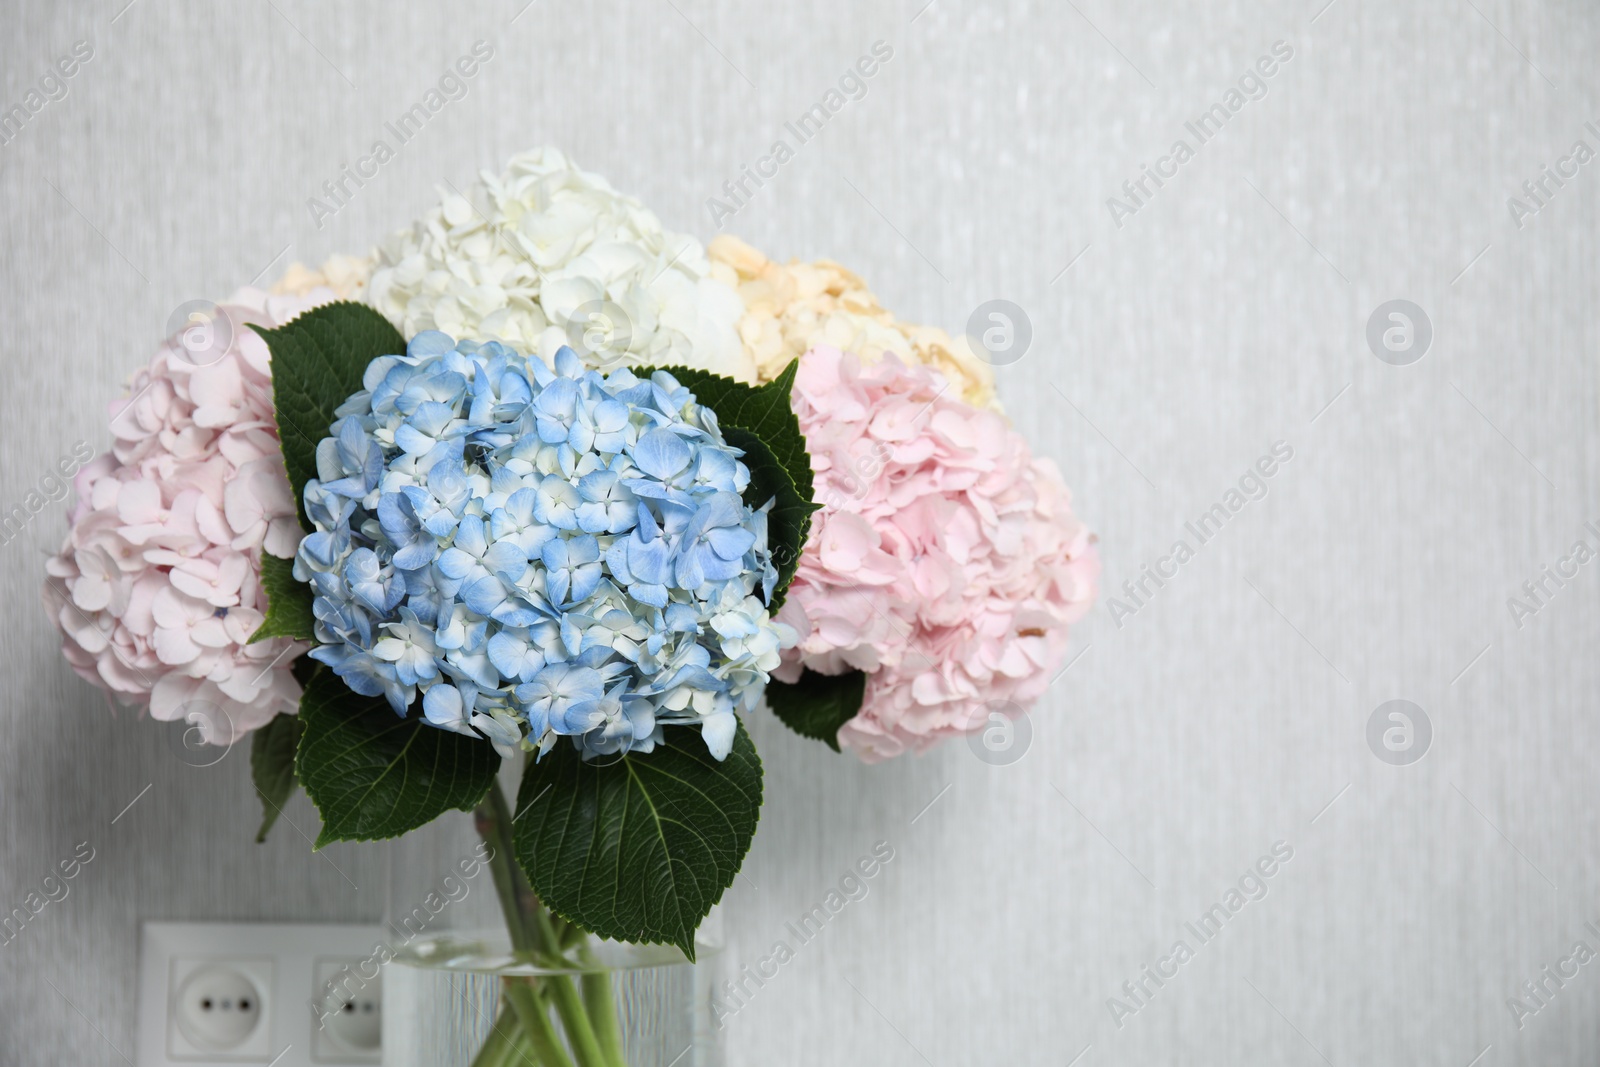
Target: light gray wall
point(1227, 314)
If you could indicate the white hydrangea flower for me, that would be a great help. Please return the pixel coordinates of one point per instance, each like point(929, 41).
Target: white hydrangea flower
point(547, 254)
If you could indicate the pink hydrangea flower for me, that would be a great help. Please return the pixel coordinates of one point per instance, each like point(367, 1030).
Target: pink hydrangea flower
point(157, 589)
point(945, 562)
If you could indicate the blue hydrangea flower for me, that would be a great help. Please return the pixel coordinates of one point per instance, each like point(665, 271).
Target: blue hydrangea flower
point(537, 553)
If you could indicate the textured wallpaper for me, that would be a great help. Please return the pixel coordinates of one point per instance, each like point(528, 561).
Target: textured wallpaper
point(1311, 292)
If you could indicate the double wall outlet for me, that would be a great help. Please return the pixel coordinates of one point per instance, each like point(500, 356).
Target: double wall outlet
point(284, 995)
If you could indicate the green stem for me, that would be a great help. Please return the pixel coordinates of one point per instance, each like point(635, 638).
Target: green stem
point(533, 936)
point(526, 1052)
point(603, 1012)
point(493, 821)
point(501, 1042)
point(599, 1007)
point(531, 1012)
point(580, 1032)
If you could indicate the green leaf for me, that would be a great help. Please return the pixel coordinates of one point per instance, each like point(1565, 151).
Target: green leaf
point(781, 468)
point(317, 363)
point(373, 774)
point(272, 767)
point(818, 704)
point(790, 518)
point(288, 602)
point(638, 848)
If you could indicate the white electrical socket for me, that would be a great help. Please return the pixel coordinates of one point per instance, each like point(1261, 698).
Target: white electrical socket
point(349, 1009)
point(284, 995)
point(216, 1008)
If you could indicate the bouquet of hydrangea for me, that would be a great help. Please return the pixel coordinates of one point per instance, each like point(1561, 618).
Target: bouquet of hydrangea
point(537, 480)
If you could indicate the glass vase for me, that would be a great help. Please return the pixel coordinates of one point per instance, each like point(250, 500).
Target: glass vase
point(477, 973)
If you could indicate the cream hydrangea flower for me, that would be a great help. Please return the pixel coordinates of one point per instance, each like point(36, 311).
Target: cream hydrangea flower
point(346, 276)
point(789, 310)
point(544, 255)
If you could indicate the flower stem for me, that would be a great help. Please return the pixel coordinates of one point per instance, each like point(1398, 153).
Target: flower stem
point(580, 1032)
point(493, 1052)
point(603, 1012)
point(501, 1044)
point(533, 937)
point(531, 1012)
point(493, 821)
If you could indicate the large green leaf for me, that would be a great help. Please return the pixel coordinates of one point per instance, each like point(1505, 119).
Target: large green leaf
point(317, 363)
point(373, 774)
point(272, 767)
point(818, 704)
point(288, 602)
point(638, 848)
point(790, 517)
point(780, 468)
